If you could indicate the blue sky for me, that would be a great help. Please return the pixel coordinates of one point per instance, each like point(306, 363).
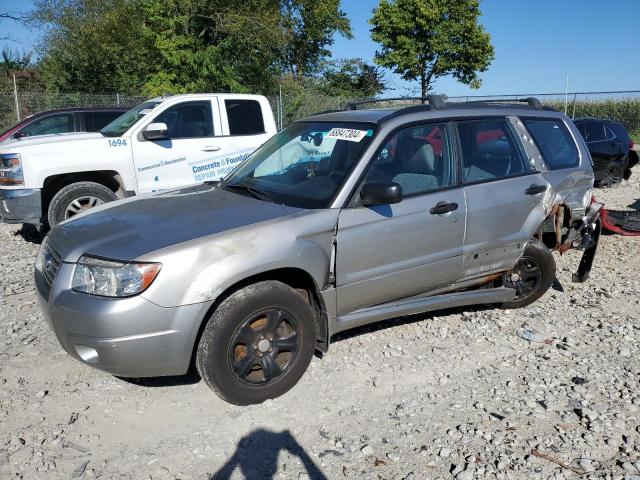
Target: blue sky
point(537, 44)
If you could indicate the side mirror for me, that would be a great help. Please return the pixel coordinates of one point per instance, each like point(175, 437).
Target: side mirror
point(18, 135)
point(378, 193)
point(155, 131)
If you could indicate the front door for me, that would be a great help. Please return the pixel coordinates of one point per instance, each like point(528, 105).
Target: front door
point(390, 252)
point(190, 153)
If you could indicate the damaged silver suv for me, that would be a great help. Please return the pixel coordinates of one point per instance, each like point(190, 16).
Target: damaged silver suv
point(342, 219)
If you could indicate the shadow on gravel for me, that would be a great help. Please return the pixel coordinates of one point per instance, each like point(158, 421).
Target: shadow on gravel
point(635, 205)
point(257, 456)
point(395, 322)
point(190, 378)
point(31, 234)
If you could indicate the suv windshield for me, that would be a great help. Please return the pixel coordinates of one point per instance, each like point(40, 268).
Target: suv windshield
point(125, 121)
point(304, 165)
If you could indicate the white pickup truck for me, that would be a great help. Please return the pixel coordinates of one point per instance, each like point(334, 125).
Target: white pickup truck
point(160, 144)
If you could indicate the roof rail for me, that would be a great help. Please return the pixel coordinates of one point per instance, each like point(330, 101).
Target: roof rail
point(533, 102)
point(432, 101)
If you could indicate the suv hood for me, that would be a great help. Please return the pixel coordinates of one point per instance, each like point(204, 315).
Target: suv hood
point(61, 139)
point(130, 228)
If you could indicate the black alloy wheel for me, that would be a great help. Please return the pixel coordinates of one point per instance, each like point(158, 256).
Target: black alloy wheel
point(264, 346)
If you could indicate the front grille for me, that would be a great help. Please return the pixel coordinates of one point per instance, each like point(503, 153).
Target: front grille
point(50, 263)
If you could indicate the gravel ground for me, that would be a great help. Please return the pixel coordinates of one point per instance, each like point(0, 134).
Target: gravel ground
point(452, 394)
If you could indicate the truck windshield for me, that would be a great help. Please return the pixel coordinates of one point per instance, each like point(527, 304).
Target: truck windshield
point(304, 165)
point(128, 119)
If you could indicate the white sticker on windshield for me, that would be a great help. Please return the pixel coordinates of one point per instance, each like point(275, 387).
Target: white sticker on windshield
point(145, 111)
point(348, 134)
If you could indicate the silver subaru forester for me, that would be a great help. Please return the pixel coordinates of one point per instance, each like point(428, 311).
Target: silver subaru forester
point(342, 219)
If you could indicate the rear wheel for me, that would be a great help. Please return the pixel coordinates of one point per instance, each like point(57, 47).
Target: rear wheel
point(77, 198)
point(257, 343)
point(532, 275)
point(612, 177)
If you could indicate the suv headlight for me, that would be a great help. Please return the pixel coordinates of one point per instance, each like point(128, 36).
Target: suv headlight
point(11, 169)
point(111, 278)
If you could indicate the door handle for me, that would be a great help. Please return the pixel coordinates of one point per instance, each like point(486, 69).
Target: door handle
point(535, 189)
point(211, 148)
point(443, 207)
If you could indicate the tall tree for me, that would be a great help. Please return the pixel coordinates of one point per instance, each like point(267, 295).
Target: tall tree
point(351, 77)
point(426, 39)
point(310, 26)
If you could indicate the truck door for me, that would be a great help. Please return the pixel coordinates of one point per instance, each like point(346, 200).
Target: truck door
point(246, 124)
point(189, 154)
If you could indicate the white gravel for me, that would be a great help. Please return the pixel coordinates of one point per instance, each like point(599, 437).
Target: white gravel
point(455, 394)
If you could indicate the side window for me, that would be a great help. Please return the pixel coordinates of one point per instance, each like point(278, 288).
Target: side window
point(100, 120)
point(489, 150)
point(245, 117)
point(595, 132)
point(187, 120)
point(554, 142)
point(609, 133)
point(417, 158)
point(62, 123)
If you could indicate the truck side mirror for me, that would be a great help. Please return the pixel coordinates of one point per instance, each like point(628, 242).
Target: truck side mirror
point(380, 193)
point(155, 131)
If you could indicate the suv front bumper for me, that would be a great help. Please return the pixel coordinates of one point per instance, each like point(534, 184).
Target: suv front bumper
point(128, 337)
point(22, 205)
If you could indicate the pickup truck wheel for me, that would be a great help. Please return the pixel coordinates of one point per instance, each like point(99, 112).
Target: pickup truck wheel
point(532, 275)
point(77, 198)
point(257, 343)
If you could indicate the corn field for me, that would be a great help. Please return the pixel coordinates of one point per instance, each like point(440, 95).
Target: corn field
point(623, 107)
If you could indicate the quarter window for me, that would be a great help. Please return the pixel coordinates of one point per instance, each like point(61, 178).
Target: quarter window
point(418, 158)
point(244, 116)
point(554, 142)
point(489, 151)
point(187, 120)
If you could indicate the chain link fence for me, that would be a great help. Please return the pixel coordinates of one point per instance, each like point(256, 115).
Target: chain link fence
point(18, 106)
point(621, 106)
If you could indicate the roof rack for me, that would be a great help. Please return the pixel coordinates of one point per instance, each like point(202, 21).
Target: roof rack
point(533, 102)
point(434, 102)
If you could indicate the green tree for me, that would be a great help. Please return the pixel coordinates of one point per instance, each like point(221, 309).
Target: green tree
point(426, 39)
point(351, 77)
point(310, 26)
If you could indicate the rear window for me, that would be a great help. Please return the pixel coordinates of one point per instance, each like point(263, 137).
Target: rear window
point(245, 117)
point(554, 142)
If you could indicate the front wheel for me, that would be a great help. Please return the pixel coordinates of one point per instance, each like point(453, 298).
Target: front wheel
point(77, 198)
point(532, 275)
point(257, 343)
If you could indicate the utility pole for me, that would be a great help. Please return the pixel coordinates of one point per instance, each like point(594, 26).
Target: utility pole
point(566, 95)
point(15, 96)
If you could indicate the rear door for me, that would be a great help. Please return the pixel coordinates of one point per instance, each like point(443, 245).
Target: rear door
point(389, 252)
point(245, 126)
point(504, 195)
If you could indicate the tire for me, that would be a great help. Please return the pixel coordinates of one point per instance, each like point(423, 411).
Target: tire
point(77, 198)
point(535, 254)
point(612, 176)
point(240, 337)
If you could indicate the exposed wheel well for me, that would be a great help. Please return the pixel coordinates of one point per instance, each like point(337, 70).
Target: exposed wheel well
point(297, 279)
point(52, 185)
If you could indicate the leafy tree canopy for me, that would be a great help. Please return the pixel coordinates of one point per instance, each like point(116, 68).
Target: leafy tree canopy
point(426, 39)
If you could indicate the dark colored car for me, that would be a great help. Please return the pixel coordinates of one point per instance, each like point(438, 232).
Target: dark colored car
point(611, 149)
point(65, 120)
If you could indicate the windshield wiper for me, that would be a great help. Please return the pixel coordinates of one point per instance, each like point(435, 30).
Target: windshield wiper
point(253, 191)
